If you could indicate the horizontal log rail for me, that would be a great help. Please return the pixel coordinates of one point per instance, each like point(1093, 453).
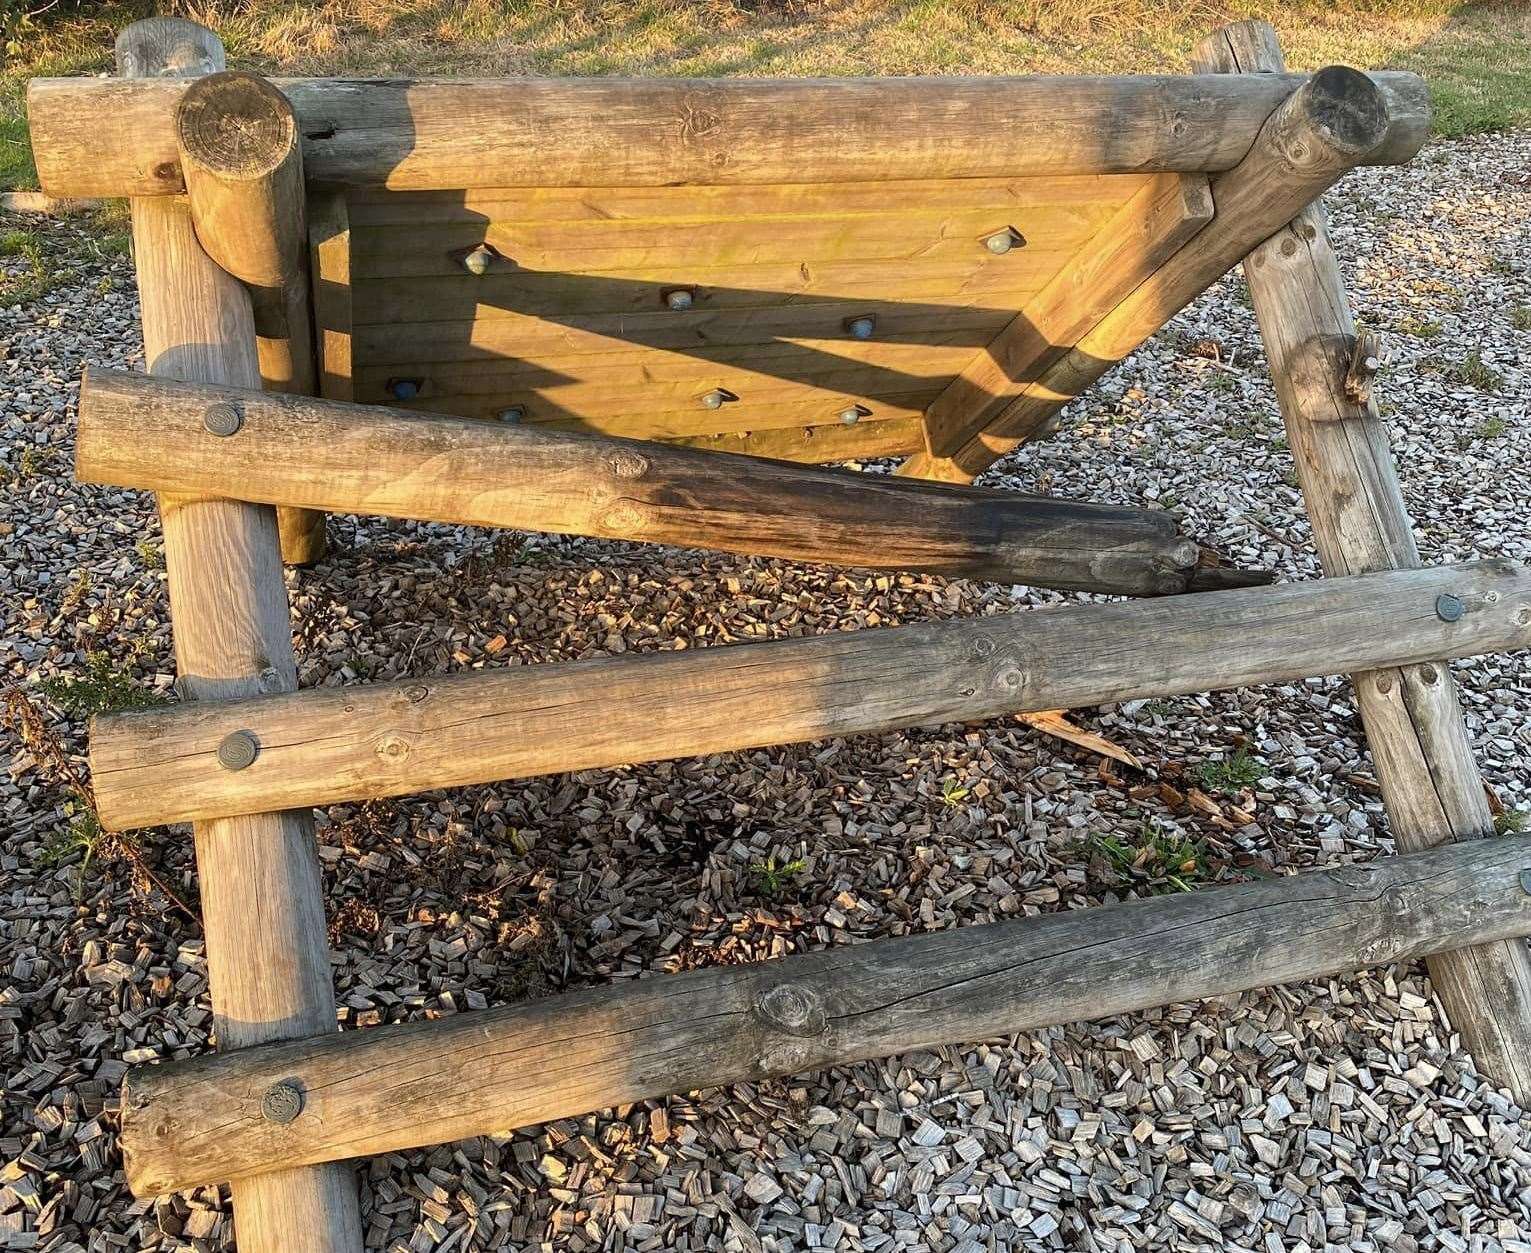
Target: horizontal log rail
point(102, 137)
point(400, 1087)
point(328, 455)
point(352, 743)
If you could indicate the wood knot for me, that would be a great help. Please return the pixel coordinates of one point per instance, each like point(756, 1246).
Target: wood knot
point(623, 518)
point(393, 748)
point(626, 464)
point(416, 692)
point(793, 1008)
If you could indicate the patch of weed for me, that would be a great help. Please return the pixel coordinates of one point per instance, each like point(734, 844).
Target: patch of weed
point(1229, 776)
point(772, 879)
point(102, 689)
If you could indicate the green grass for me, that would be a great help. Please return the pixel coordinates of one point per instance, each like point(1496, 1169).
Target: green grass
point(1474, 372)
point(1477, 57)
point(1520, 317)
point(1229, 776)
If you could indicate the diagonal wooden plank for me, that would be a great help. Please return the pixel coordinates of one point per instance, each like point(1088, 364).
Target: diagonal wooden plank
point(1327, 126)
point(1134, 242)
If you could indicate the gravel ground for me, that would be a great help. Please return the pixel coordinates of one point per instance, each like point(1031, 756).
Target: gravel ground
point(1341, 1115)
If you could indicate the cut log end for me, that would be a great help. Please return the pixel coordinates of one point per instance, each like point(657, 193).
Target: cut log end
point(167, 47)
point(236, 125)
point(1347, 109)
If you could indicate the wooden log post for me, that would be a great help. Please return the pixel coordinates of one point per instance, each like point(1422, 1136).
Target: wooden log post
point(358, 742)
point(1327, 126)
point(399, 1087)
point(105, 138)
point(242, 161)
point(150, 433)
point(262, 904)
point(1430, 785)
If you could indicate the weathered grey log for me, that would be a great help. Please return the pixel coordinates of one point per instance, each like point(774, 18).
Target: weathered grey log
point(262, 901)
point(350, 743)
point(99, 138)
point(1324, 128)
point(399, 1087)
point(1430, 786)
point(136, 431)
point(243, 167)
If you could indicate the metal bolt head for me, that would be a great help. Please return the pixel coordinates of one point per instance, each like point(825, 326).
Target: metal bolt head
point(680, 299)
point(1449, 608)
point(221, 418)
point(861, 328)
point(281, 1104)
point(479, 260)
point(713, 400)
point(237, 750)
point(851, 416)
point(512, 415)
point(1000, 242)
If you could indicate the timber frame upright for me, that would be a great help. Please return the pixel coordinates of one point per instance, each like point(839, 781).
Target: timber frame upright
point(305, 245)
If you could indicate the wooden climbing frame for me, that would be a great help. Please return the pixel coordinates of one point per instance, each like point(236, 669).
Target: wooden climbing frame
point(637, 309)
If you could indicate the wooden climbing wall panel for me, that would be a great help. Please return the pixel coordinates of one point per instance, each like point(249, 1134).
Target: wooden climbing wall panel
point(570, 323)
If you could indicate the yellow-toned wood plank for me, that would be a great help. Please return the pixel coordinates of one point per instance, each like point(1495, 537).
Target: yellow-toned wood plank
point(329, 252)
point(632, 418)
point(818, 444)
point(413, 346)
point(1143, 234)
point(572, 204)
point(980, 278)
point(746, 367)
point(426, 248)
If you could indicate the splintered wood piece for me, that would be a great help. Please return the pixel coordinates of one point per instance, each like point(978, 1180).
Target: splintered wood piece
point(353, 743)
point(243, 166)
point(1325, 127)
point(391, 1088)
point(98, 137)
point(140, 432)
point(1430, 785)
point(1055, 722)
point(1141, 237)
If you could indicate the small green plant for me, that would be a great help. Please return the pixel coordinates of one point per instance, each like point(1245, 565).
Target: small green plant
point(17, 243)
point(1167, 861)
point(1512, 821)
point(82, 835)
point(103, 688)
point(151, 554)
point(1491, 428)
point(1520, 317)
point(771, 879)
point(1160, 708)
point(953, 793)
point(1475, 372)
point(1420, 328)
point(1229, 776)
point(18, 289)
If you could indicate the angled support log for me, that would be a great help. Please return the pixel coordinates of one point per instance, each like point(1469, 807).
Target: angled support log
point(243, 166)
point(102, 138)
point(1430, 786)
point(1327, 126)
point(149, 433)
point(352, 743)
point(1143, 234)
point(392, 1088)
point(262, 907)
